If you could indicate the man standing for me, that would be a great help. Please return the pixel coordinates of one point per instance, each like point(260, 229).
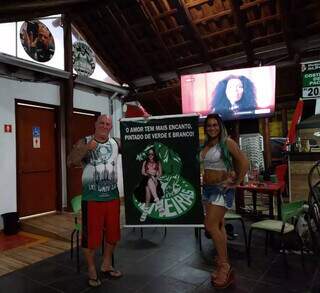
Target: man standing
point(100, 197)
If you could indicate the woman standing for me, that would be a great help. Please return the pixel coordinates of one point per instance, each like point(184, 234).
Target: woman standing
point(224, 168)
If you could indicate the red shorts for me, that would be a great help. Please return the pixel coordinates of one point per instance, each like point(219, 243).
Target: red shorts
point(98, 218)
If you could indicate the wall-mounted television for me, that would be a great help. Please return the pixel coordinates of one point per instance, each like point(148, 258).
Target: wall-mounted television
point(234, 94)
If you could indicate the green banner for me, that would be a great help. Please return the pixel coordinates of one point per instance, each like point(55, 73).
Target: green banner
point(310, 80)
point(161, 172)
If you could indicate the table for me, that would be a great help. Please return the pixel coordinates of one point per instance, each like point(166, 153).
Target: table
point(265, 187)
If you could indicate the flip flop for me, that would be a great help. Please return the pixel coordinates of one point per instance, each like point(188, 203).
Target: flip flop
point(94, 282)
point(111, 274)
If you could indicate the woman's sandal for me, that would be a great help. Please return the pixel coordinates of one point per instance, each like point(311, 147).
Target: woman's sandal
point(111, 274)
point(224, 277)
point(216, 263)
point(94, 282)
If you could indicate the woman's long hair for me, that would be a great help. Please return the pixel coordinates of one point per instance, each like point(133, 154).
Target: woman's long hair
point(220, 100)
point(155, 157)
point(223, 135)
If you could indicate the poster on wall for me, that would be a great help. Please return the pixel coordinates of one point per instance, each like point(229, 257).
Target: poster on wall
point(161, 172)
point(83, 58)
point(37, 40)
point(310, 80)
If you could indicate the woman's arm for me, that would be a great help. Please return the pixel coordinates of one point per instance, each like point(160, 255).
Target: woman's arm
point(143, 169)
point(159, 173)
point(241, 162)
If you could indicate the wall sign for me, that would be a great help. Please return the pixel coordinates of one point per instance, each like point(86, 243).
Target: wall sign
point(36, 137)
point(84, 61)
point(7, 128)
point(37, 40)
point(310, 79)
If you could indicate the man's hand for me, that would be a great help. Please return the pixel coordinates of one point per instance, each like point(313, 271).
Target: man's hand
point(91, 145)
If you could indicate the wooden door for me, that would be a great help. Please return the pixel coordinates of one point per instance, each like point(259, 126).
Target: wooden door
point(36, 160)
point(84, 125)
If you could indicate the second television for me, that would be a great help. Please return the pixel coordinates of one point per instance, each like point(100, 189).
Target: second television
point(234, 94)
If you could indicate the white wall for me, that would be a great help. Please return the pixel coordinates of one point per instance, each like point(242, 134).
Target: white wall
point(9, 91)
point(37, 92)
point(87, 100)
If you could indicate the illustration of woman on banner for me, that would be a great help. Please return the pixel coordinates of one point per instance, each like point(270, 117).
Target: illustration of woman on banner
point(150, 187)
point(168, 195)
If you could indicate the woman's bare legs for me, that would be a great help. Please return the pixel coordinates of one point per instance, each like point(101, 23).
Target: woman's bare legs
point(146, 205)
point(152, 185)
point(214, 223)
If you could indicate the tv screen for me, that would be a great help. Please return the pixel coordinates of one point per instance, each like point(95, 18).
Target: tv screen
point(234, 94)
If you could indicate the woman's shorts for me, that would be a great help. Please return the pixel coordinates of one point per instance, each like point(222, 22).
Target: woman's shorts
point(218, 195)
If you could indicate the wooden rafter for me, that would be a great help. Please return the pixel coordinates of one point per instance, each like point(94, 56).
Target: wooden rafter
point(239, 21)
point(221, 32)
point(282, 8)
point(82, 26)
point(149, 20)
point(193, 31)
point(213, 16)
point(129, 37)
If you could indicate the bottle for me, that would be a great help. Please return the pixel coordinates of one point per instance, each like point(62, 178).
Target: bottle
point(255, 172)
point(246, 179)
point(298, 144)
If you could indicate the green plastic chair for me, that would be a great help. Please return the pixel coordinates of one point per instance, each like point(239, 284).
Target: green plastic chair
point(289, 214)
point(76, 210)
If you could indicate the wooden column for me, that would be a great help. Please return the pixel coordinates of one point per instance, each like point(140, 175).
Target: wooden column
point(284, 119)
point(266, 142)
point(67, 94)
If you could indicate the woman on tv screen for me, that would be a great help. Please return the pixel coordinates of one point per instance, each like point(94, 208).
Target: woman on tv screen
point(233, 95)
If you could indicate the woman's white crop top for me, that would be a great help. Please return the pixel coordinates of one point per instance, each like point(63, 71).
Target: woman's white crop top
point(213, 159)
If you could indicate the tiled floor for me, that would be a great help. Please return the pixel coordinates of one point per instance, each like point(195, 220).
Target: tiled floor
point(171, 263)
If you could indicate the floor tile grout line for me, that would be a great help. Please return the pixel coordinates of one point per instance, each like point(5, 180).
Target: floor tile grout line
point(264, 273)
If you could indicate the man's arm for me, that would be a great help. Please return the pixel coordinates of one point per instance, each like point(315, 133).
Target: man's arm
point(118, 143)
point(78, 152)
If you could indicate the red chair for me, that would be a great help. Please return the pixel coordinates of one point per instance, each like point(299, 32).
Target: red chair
point(281, 172)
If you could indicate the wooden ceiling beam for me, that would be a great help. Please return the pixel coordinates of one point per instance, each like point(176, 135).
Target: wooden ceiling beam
point(193, 31)
point(253, 4)
point(179, 45)
point(149, 20)
point(196, 3)
point(262, 20)
point(213, 16)
point(219, 33)
point(82, 26)
point(242, 30)
point(266, 37)
point(125, 32)
point(165, 14)
point(172, 30)
point(225, 48)
point(282, 9)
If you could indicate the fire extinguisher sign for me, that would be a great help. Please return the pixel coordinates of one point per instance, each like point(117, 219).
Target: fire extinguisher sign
point(36, 137)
